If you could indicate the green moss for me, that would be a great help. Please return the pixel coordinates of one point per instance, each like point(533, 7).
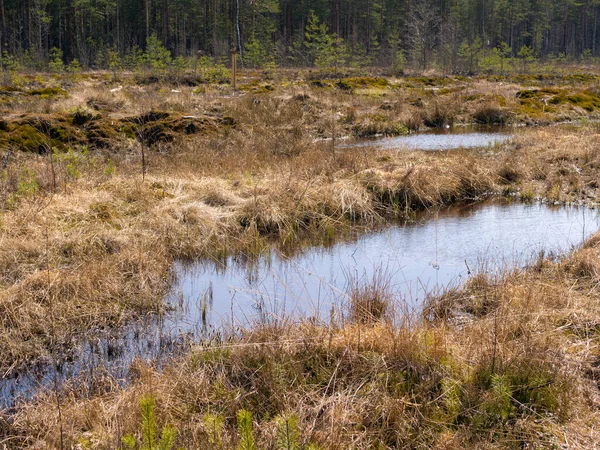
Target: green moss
point(547, 100)
point(535, 104)
point(159, 126)
point(536, 93)
point(579, 78)
point(530, 78)
point(450, 90)
point(552, 79)
point(343, 85)
point(257, 87)
point(487, 98)
point(10, 90)
point(27, 138)
point(586, 100)
point(49, 92)
point(41, 133)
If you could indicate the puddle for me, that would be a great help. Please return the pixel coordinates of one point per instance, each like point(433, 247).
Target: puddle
point(418, 258)
point(99, 357)
point(445, 139)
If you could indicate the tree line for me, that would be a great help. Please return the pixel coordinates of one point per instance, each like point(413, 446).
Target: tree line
point(454, 35)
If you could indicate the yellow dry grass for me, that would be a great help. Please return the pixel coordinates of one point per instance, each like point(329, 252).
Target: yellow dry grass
point(86, 245)
point(422, 384)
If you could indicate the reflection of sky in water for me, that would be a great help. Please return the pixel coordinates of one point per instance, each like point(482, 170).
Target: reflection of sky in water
point(441, 140)
point(416, 259)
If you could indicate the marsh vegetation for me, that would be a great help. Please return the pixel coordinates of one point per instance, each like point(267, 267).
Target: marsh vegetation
point(107, 184)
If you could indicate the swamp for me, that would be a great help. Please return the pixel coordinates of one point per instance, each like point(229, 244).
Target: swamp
point(301, 252)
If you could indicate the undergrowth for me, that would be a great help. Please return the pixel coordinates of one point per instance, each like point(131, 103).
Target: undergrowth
point(83, 234)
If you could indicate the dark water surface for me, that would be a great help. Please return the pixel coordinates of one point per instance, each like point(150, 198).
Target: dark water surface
point(414, 259)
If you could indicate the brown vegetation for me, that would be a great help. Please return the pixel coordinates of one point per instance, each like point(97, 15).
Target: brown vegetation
point(86, 245)
point(520, 372)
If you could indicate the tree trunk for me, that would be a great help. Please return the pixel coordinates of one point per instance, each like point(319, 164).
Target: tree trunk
point(338, 13)
point(483, 23)
point(594, 35)
point(147, 11)
point(118, 26)
point(166, 31)
point(214, 28)
point(2, 31)
point(2, 18)
point(205, 22)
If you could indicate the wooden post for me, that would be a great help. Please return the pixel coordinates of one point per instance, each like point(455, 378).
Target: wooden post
point(234, 53)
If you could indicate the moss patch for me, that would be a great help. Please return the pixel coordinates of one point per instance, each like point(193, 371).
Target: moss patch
point(49, 92)
point(587, 100)
point(362, 83)
point(540, 103)
point(258, 87)
point(40, 133)
point(9, 91)
point(158, 126)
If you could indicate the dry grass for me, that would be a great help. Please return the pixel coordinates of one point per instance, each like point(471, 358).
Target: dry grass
point(101, 241)
point(370, 300)
point(102, 245)
point(86, 245)
point(521, 373)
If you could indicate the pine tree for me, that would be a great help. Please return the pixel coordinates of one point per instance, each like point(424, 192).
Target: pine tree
point(157, 56)
point(326, 50)
point(255, 54)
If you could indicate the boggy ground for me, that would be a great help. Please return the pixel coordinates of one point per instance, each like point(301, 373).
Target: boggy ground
point(503, 363)
point(96, 110)
point(87, 243)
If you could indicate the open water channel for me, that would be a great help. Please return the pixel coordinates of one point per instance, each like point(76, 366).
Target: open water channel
point(440, 249)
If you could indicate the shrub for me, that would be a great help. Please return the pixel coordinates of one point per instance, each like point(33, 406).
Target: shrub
point(245, 431)
point(440, 116)
point(56, 63)
point(288, 435)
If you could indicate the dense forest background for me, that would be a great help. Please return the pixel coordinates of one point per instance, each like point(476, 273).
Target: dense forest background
point(452, 35)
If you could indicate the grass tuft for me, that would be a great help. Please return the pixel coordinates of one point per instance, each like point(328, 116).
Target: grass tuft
point(370, 300)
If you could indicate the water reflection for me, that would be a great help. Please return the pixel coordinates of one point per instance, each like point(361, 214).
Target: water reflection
point(415, 259)
point(443, 139)
point(418, 258)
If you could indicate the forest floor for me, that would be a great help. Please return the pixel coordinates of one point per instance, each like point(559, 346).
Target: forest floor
point(105, 183)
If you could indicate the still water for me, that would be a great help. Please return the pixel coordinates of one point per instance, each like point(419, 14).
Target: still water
point(438, 250)
point(445, 139)
point(413, 259)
